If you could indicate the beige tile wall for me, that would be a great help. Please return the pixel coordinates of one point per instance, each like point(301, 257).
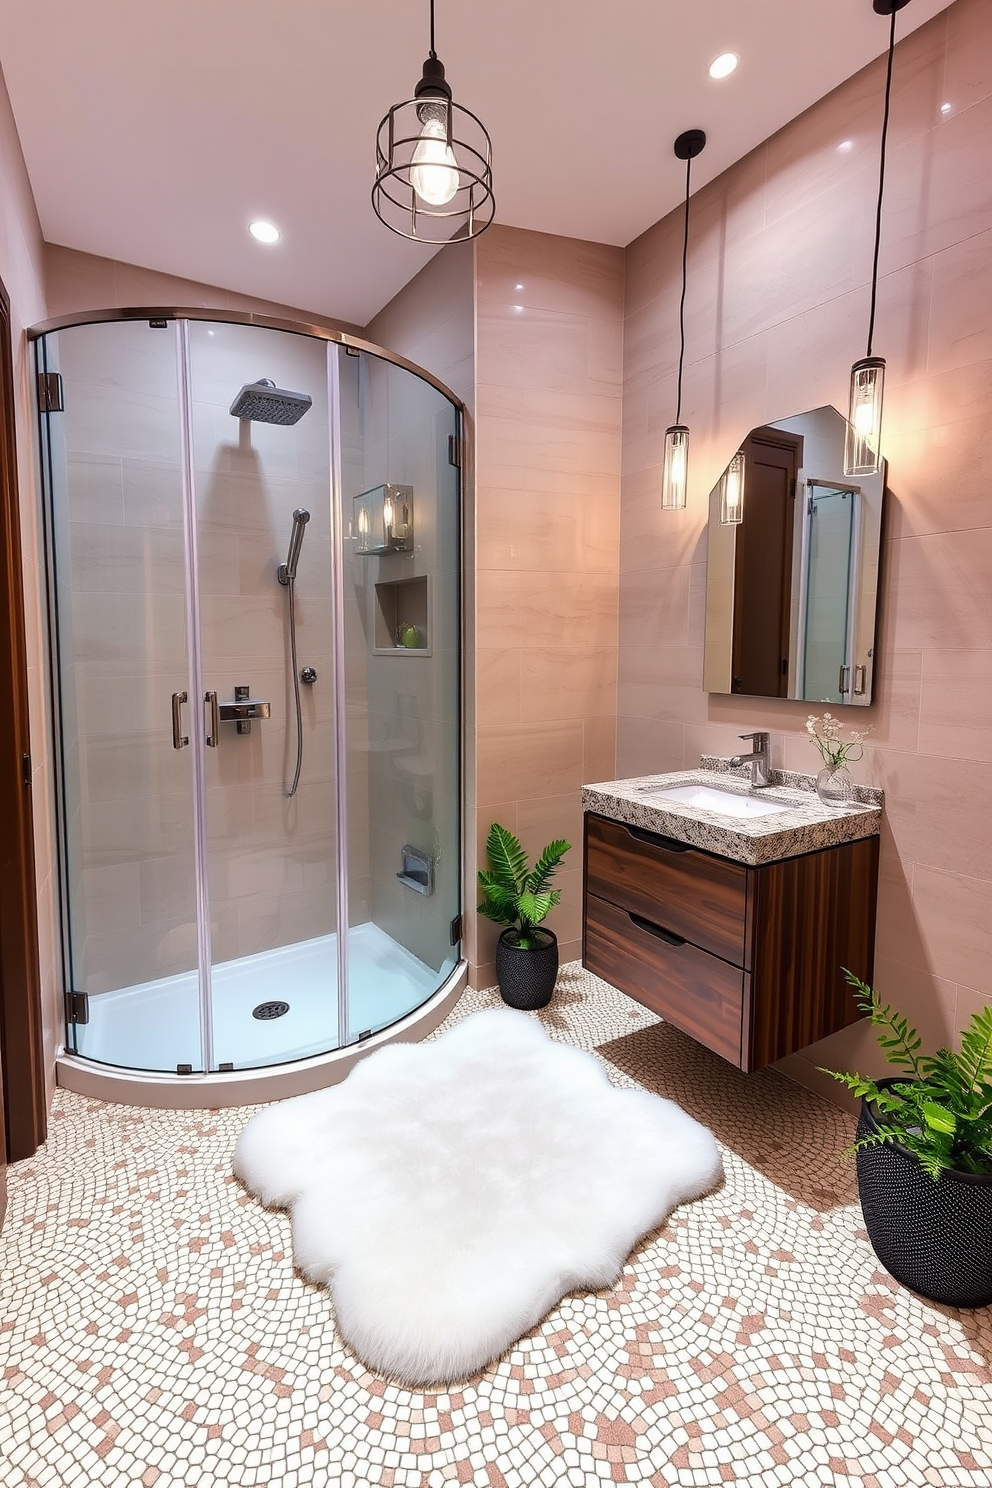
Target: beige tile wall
point(777, 309)
point(548, 386)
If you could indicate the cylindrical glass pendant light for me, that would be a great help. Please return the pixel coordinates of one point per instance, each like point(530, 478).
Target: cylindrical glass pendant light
point(433, 175)
point(862, 453)
point(732, 492)
point(676, 466)
point(863, 444)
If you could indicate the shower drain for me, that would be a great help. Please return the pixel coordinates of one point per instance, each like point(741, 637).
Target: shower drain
point(266, 1010)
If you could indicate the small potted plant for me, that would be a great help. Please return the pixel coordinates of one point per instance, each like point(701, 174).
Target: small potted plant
point(924, 1157)
point(834, 785)
point(518, 897)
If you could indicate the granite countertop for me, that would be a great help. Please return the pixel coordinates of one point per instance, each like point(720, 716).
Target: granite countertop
point(807, 826)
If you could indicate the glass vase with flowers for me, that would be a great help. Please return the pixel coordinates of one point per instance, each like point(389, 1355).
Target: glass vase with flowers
point(834, 785)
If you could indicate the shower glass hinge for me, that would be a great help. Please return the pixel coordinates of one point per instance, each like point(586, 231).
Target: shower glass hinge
point(352, 351)
point(77, 1007)
point(50, 398)
point(455, 930)
point(365, 1034)
point(184, 1069)
point(226, 1069)
point(454, 451)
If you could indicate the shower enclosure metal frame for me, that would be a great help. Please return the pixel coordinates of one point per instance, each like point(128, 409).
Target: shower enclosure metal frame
point(222, 1087)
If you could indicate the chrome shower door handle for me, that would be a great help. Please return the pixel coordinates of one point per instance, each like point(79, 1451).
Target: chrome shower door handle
point(179, 739)
point(860, 679)
point(213, 733)
point(844, 680)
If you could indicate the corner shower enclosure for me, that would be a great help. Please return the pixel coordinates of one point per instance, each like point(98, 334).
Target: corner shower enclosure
point(222, 628)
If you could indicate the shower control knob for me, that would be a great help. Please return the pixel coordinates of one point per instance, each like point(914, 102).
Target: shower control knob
point(308, 675)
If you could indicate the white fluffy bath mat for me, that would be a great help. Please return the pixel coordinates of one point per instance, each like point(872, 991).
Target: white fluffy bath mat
point(449, 1193)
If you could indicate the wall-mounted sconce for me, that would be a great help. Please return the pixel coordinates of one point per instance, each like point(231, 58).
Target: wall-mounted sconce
point(732, 492)
point(432, 184)
point(383, 521)
point(863, 447)
point(676, 467)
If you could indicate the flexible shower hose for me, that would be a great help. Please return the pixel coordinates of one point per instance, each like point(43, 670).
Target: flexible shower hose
point(291, 586)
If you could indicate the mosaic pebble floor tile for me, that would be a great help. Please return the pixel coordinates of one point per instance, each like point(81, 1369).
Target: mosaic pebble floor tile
point(154, 1333)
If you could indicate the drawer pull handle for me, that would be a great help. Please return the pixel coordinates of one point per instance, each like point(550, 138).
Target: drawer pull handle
point(656, 930)
point(655, 840)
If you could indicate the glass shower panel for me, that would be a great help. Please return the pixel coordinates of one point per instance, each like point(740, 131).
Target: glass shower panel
point(271, 855)
point(120, 642)
point(402, 660)
point(827, 641)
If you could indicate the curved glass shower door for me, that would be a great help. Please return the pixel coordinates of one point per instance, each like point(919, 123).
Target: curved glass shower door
point(254, 542)
point(116, 515)
point(402, 651)
point(272, 856)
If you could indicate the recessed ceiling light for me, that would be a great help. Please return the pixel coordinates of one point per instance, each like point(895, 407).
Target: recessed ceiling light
point(846, 145)
point(945, 108)
point(724, 65)
point(264, 232)
point(518, 286)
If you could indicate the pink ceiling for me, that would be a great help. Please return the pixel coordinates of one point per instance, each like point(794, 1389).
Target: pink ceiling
point(155, 132)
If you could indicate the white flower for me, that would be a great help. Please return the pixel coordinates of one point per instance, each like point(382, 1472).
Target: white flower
point(825, 734)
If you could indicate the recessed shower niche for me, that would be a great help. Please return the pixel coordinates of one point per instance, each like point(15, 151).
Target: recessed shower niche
point(402, 616)
point(199, 487)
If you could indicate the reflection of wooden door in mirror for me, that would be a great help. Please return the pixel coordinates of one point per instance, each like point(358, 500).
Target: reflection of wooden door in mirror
point(763, 563)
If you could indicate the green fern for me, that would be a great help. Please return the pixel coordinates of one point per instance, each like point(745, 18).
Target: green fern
point(512, 895)
point(943, 1114)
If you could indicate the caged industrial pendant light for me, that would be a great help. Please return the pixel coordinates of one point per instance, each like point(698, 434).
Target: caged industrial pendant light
point(433, 174)
point(863, 447)
point(676, 468)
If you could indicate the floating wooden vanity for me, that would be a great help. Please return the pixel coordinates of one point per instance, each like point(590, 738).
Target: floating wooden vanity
point(745, 956)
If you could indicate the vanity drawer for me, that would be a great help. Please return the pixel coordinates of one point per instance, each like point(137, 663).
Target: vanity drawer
point(691, 893)
point(686, 986)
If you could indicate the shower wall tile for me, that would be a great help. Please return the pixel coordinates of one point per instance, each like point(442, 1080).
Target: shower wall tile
point(806, 213)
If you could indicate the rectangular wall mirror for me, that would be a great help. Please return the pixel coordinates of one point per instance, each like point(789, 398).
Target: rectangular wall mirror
point(792, 578)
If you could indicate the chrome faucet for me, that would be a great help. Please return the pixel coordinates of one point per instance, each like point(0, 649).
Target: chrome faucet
point(759, 759)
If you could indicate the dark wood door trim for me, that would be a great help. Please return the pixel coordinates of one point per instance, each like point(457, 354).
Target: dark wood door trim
point(21, 1048)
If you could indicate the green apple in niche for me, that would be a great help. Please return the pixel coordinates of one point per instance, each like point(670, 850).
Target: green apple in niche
point(410, 636)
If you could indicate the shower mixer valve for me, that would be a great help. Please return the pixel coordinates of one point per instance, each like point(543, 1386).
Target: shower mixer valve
point(309, 675)
point(243, 710)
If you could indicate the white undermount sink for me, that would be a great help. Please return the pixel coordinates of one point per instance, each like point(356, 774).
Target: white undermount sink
point(712, 798)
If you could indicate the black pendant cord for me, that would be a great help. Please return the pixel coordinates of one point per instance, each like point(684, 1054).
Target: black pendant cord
point(433, 53)
point(685, 260)
point(881, 180)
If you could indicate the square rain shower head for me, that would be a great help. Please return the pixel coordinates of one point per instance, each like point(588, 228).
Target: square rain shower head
point(264, 403)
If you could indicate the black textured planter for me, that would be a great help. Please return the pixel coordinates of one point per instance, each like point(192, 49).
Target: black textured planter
point(527, 978)
point(935, 1238)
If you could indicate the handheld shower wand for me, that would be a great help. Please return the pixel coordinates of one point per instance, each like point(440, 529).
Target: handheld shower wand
point(287, 577)
point(287, 570)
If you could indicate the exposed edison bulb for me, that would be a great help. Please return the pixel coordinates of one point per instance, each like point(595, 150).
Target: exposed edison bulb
point(676, 468)
point(862, 446)
point(435, 169)
point(732, 495)
point(387, 512)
